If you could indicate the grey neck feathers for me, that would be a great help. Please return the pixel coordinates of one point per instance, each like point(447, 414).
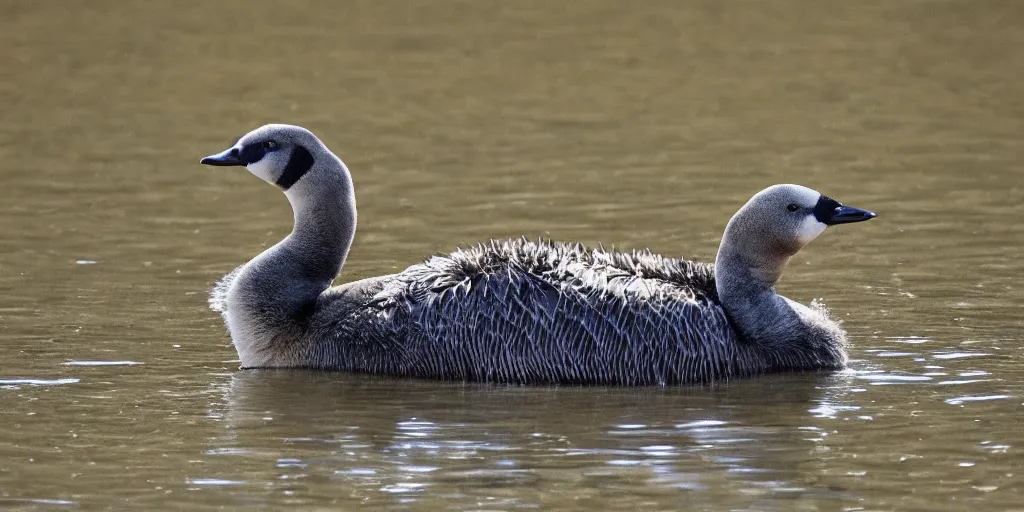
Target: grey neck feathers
point(325, 224)
point(280, 286)
point(746, 270)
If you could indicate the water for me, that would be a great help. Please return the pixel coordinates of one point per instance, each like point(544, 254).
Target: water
point(600, 121)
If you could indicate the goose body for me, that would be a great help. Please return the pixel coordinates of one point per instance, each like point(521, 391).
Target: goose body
point(520, 311)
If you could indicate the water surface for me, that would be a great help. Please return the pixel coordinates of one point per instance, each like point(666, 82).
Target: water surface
point(630, 125)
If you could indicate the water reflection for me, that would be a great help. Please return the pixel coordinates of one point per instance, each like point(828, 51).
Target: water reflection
point(477, 442)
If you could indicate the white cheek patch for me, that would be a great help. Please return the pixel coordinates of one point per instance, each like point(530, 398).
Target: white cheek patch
point(262, 169)
point(809, 229)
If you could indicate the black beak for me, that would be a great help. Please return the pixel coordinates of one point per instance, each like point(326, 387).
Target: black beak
point(224, 158)
point(831, 212)
point(848, 214)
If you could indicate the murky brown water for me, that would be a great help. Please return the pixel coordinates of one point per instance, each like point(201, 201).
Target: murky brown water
point(630, 124)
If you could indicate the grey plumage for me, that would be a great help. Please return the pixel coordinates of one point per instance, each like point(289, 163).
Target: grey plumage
point(520, 311)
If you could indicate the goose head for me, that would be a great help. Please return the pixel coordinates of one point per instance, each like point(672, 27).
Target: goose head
point(776, 223)
point(279, 154)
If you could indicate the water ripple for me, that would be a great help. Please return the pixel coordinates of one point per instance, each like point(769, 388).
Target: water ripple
point(888, 378)
point(958, 400)
point(701, 424)
point(38, 382)
point(100, 363)
point(912, 340)
point(35, 501)
point(959, 355)
point(213, 481)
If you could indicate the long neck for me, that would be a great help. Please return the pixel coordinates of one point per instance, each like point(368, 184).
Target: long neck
point(325, 224)
point(276, 292)
point(745, 278)
point(780, 334)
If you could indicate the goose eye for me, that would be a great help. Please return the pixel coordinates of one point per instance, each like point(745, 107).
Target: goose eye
point(270, 145)
point(792, 207)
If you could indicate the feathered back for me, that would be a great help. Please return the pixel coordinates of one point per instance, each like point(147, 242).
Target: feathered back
point(523, 311)
point(562, 266)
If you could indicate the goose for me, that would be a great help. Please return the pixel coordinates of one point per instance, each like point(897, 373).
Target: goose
point(521, 311)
